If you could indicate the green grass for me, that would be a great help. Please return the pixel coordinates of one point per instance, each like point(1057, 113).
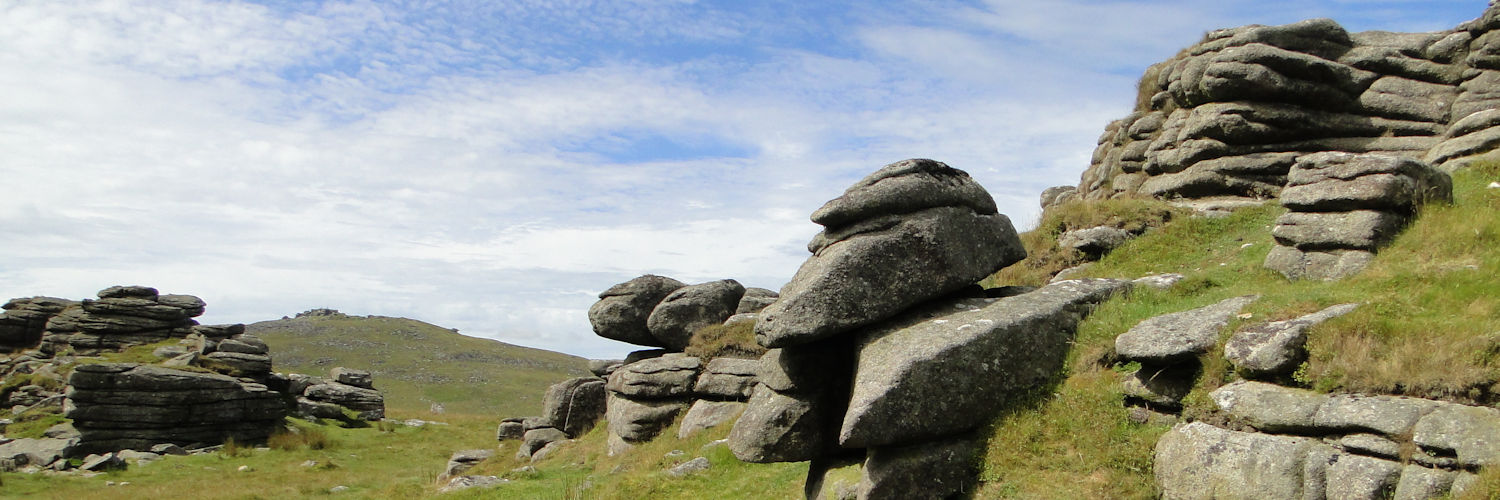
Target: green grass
point(734, 341)
point(402, 463)
point(416, 364)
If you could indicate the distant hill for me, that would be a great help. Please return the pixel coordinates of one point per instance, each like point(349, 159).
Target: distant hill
point(417, 364)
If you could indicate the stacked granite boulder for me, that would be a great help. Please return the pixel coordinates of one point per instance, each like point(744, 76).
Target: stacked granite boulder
point(118, 406)
point(883, 352)
point(1343, 207)
point(25, 320)
point(122, 316)
point(1230, 116)
point(569, 410)
point(345, 390)
point(650, 388)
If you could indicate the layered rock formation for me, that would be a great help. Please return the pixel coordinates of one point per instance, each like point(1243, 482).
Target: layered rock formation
point(119, 406)
point(1230, 115)
point(345, 390)
point(25, 320)
point(122, 316)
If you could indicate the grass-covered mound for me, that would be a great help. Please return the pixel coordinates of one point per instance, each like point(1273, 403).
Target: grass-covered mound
point(417, 364)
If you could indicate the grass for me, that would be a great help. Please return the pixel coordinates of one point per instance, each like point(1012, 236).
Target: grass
point(1044, 258)
point(419, 366)
point(402, 463)
point(735, 340)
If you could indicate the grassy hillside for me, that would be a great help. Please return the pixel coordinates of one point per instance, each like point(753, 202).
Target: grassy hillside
point(417, 364)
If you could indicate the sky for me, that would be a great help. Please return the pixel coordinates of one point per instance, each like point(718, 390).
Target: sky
point(492, 166)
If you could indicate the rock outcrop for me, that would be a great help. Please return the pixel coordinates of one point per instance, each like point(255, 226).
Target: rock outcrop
point(1310, 445)
point(1344, 207)
point(345, 391)
point(1230, 115)
point(122, 316)
point(118, 406)
point(25, 320)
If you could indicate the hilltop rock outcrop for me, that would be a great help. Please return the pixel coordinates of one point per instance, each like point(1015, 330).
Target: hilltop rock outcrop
point(25, 320)
point(1230, 115)
point(121, 317)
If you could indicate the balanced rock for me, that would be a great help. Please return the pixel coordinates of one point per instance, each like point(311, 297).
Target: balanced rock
point(913, 231)
point(622, 310)
point(692, 307)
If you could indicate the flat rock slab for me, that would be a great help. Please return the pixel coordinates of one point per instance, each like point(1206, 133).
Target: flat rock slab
point(1336, 181)
point(728, 378)
point(975, 352)
point(1178, 336)
point(1325, 265)
point(1270, 407)
point(1469, 433)
point(663, 377)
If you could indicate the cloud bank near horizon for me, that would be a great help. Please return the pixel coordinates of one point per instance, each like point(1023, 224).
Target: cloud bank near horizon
point(492, 167)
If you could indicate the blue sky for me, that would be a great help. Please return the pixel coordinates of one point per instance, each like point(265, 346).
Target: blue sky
point(491, 166)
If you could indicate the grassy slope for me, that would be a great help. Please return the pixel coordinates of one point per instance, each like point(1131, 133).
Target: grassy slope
point(416, 364)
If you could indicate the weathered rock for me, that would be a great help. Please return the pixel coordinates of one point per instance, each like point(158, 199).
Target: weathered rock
point(784, 427)
point(1269, 407)
point(1469, 433)
point(689, 467)
point(1336, 181)
point(236, 364)
point(25, 320)
point(1094, 241)
point(1358, 229)
point(1388, 415)
point(640, 420)
point(1359, 477)
point(510, 429)
point(939, 469)
point(1276, 348)
point(877, 257)
point(537, 438)
point(805, 367)
point(604, 367)
point(102, 462)
point(346, 376)
point(1178, 336)
point(1326, 265)
point(36, 451)
point(1421, 483)
point(574, 405)
point(975, 352)
point(666, 376)
point(727, 378)
point(754, 300)
point(368, 403)
point(645, 354)
point(1200, 461)
point(467, 482)
point(1057, 195)
point(463, 460)
point(1371, 445)
point(126, 406)
point(692, 307)
point(622, 310)
point(706, 414)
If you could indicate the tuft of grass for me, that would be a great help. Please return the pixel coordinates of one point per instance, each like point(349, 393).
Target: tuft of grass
point(300, 436)
point(1044, 258)
point(32, 424)
point(719, 341)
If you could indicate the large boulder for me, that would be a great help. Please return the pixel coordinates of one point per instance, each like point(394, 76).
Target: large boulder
point(574, 405)
point(936, 469)
point(637, 420)
point(727, 378)
point(978, 353)
point(1338, 182)
point(913, 231)
point(126, 406)
point(692, 307)
point(784, 427)
point(622, 310)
